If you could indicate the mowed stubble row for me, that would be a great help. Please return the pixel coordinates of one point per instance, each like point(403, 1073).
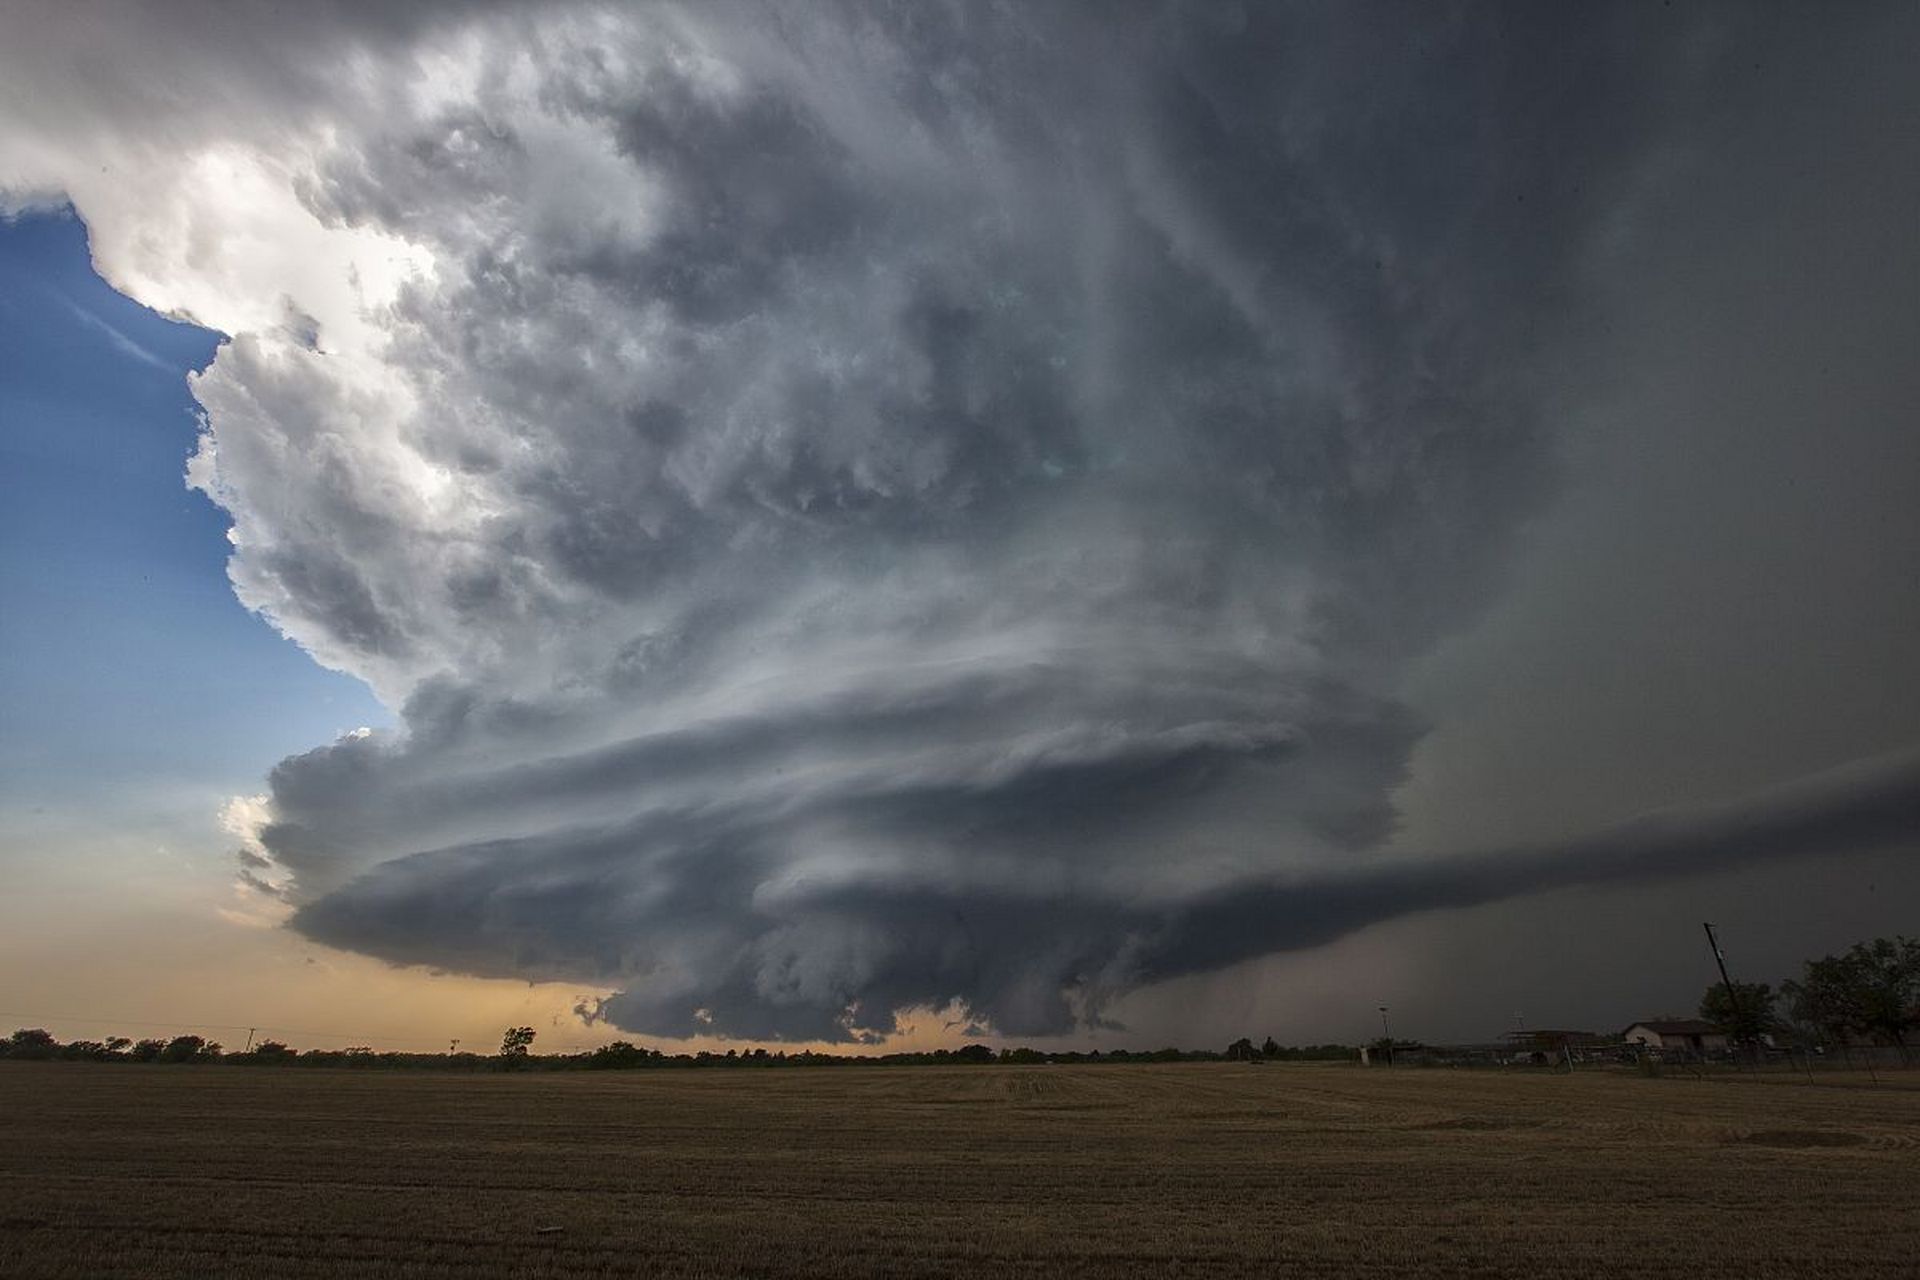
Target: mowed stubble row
point(1208, 1169)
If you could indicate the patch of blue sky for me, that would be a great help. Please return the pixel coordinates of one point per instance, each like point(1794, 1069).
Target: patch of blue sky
point(126, 664)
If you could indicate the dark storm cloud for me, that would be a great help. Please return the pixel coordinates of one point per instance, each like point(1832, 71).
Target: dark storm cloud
point(1035, 955)
point(1865, 805)
point(1050, 436)
point(880, 507)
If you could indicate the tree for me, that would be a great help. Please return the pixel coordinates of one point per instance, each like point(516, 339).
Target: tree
point(188, 1049)
point(32, 1042)
point(620, 1055)
point(1746, 1013)
point(1270, 1049)
point(1242, 1050)
point(1873, 990)
point(515, 1043)
point(1886, 974)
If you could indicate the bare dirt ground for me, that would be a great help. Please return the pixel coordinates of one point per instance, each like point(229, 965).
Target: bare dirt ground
point(1179, 1170)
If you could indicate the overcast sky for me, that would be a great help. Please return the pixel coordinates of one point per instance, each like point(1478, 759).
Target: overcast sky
point(1103, 524)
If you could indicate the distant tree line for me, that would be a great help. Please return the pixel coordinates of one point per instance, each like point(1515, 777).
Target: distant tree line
point(516, 1053)
point(34, 1043)
point(1868, 995)
point(1243, 1050)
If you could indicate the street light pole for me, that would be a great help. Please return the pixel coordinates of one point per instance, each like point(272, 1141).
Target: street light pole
point(1386, 1034)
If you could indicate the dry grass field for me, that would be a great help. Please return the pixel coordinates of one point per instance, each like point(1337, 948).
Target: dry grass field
point(1181, 1170)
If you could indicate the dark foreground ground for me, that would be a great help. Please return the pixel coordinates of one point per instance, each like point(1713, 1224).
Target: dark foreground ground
point(1181, 1170)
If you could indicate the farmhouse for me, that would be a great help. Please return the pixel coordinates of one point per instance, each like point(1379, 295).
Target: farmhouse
point(1677, 1035)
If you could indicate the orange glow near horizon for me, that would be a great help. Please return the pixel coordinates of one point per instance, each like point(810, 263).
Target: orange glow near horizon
point(183, 968)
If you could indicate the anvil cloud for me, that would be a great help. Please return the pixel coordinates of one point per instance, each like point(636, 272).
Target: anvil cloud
point(865, 508)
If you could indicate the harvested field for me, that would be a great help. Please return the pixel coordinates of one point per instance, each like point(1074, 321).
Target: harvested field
point(1178, 1170)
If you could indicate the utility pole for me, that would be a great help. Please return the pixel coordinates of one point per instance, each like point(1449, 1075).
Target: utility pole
point(1719, 958)
point(249, 1048)
point(1386, 1034)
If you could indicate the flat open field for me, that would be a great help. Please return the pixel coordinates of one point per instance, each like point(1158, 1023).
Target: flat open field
point(1183, 1170)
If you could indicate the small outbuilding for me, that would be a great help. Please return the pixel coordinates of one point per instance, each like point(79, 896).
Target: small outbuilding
point(1678, 1035)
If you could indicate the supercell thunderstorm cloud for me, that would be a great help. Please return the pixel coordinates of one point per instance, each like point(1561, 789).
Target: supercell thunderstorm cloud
point(873, 508)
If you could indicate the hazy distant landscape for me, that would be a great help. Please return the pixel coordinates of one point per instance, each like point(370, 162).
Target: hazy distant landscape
point(1196, 1169)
